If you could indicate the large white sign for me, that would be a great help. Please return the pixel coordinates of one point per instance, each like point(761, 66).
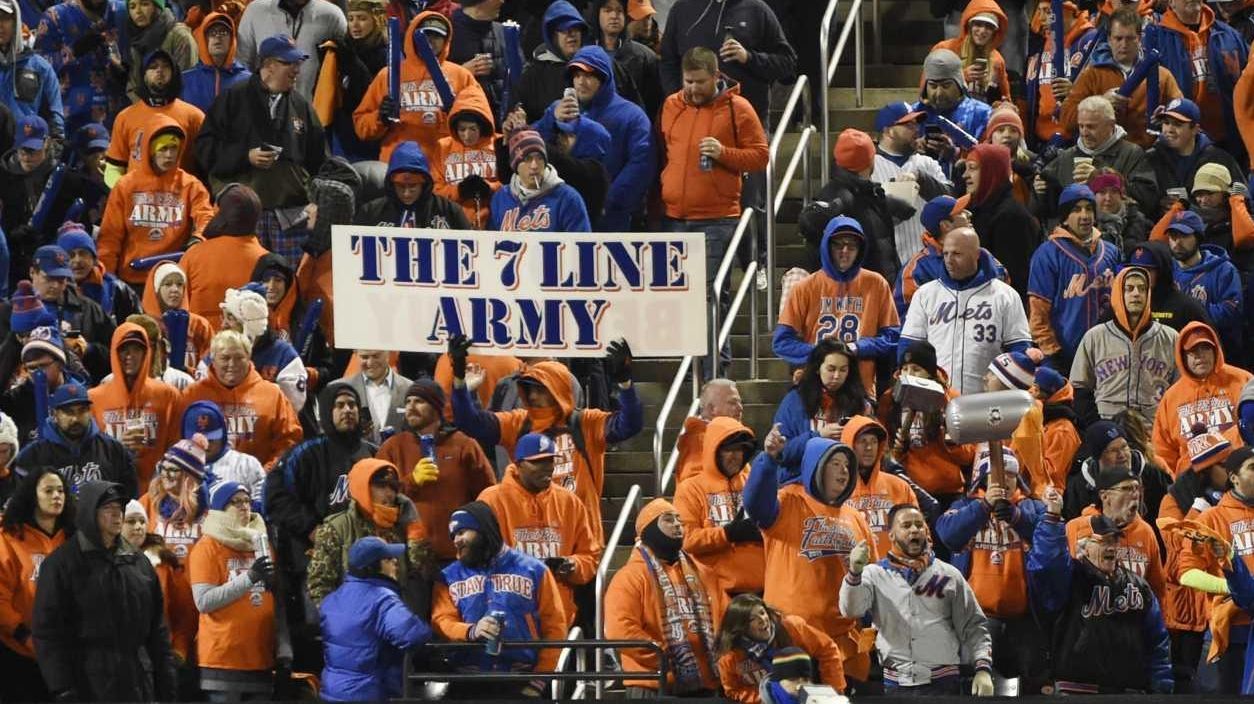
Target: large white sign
point(527, 294)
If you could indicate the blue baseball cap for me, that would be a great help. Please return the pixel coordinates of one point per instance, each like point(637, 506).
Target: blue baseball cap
point(68, 394)
point(281, 47)
point(936, 211)
point(31, 132)
point(533, 447)
point(53, 261)
point(895, 114)
point(369, 550)
point(91, 137)
point(1184, 110)
point(1187, 222)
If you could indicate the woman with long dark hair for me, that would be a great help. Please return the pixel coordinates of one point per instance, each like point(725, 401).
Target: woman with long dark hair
point(37, 520)
point(829, 393)
point(751, 634)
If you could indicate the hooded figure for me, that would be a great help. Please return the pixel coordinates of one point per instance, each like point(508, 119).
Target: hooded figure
point(545, 75)
point(407, 167)
point(137, 123)
point(125, 402)
point(31, 86)
point(209, 78)
point(466, 173)
point(853, 304)
point(581, 435)
point(1171, 307)
point(222, 462)
point(395, 523)
point(227, 256)
point(853, 193)
point(197, 331)
point(1210, 399)
point(636, 62)
point(631, 161)
point(807, 532)
point(463, 595)
point(876, 492)
point(422, 119)
point(995, 84)
point(311, 480)
point(1006, 228)
point(153, 210)
point(716, 530)
point(99, 624)
point(1127, 362)
point(642, 603)
point(162, 33)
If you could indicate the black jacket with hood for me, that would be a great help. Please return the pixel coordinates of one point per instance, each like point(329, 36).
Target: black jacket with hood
point(636, 60)
point(430, 210)
point(1169, 305)
point(96, 457)
point(864, 201)
point(99, 617)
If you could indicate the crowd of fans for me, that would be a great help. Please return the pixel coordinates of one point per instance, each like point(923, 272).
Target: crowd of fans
point(206, 498)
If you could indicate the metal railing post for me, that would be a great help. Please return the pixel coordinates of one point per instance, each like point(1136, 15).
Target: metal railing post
point(603, 569)
point(877, 40)
point(858, 55)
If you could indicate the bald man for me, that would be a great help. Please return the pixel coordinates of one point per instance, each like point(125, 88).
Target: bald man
point(968, 314)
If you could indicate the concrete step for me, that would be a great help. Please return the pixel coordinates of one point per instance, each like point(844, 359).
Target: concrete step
point(897, 74)
point(623, 462)
point(844, 96)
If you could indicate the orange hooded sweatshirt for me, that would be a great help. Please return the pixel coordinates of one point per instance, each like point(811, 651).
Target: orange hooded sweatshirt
point(634, 605)
point(962, 45)
point(1243, 108)
point(551, 523)
point(1211, 401)
point(1061, 439)
point(150, 213)
point(1137, 549)
point(259, 418)
point(875, 495)
point(1195, 42)
point(688, 192)
point(21, 554)
point(199, 330)
point(584, 477)
point(690, 447)
point(1233, 520)
point(422, 120)
point(935, 465)
point(1184, 608)
point(711, 501)
point(464, 473)
point(741, 675)
point(454, 161)
point(1078, 23)
point(213, 266)
point(137, 121)
point(152, 401)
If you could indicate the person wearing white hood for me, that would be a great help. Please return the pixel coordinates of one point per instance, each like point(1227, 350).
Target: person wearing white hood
point(9, 446)
point(245, 311)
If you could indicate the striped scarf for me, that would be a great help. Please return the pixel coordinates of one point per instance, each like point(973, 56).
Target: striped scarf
point(685, 607)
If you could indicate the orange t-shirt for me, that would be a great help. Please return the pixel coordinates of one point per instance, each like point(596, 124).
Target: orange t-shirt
point(240, 635)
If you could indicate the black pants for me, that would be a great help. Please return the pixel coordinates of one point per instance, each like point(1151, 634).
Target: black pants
point(21, 680)
point(1020, 650)
point(1186, 653)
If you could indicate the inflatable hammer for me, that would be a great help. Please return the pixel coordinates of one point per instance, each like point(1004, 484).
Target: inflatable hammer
point(988, 417)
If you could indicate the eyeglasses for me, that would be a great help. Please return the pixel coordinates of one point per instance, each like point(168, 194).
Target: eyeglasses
point(1127, 489)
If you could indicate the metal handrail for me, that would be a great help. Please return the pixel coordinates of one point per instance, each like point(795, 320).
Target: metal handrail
point(603, 569)
point(800, 96)
point(576, 633)
point(803, 149)
point(686, 363)
point(746, 285)
point(829, 60)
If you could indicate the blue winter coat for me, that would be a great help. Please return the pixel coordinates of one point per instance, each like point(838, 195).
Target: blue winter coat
point(565, 208)
point(366, 629)
point(29, 85)
point(1215, 283)
point(1226, 56)
point(202, 83)
point(521, 612)
point(631, 161)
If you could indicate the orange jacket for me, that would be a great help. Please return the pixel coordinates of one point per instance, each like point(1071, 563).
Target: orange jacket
point(213, 266)
point(1138, 550)
point(151, 400)
point(711, 501)
point(133, 126)
point(962, 46)
point(464, 473)
point(1207, 96)
point(1242, 223)
point(199, 330)
point(879, 492)
point(690, 447)
point(690, 193)
point(495, 367)
point(453, 161)
point(1184, 609)
point(1061, 443)
point(1098, 80)
point(240, 635)
point(995, 555)
point(1046, 122)
point(936, 465)
point(1234, 521)
point(1211, 401)
point(585, 478)
point(741, 675)
point(1243, 108)
point(422, 119)
point(21, 554)
point(259, 418)
point(633, 607)
point(149, 213)
point(181, 616)
point(551, 523)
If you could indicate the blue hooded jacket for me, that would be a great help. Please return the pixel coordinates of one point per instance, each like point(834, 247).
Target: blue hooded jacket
point(1215, 283)
point(630, 162)
point(429, 210)
point(366, 629)
point(28, 83)
point(761, 495)
point(788, 344)
point(1226, 56)
point(204, 82)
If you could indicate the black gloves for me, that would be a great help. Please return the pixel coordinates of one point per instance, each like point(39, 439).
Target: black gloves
point(473, 186)
point(742, 530)
point(389, 111)
point(1004, 510)
point(458, 350)
point(261, 571)
point(618, 361)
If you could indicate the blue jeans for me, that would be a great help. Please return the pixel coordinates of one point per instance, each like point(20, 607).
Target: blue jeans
point(718, 235)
